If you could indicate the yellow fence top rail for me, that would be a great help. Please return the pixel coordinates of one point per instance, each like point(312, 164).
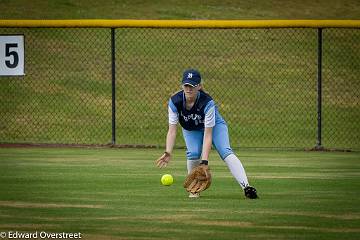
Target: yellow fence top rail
point(183, 23)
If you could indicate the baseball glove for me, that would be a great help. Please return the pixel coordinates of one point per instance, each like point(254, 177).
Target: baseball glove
point(198, 180)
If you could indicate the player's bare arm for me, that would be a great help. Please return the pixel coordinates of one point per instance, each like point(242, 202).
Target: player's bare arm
point(207, 143)
point(164, 160)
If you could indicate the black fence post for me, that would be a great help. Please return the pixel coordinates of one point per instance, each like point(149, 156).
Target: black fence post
point(319, 92)
point(113, 85)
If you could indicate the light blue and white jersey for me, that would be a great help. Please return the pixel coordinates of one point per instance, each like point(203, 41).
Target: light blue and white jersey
point(204, 113)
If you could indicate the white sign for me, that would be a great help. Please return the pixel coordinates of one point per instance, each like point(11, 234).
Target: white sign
point(12, 55)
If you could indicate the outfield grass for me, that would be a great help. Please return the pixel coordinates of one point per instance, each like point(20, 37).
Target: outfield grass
point(170, 9)
point(116, 194)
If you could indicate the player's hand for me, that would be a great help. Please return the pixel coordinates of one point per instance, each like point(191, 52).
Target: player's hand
point(198, 180)
point(163, 161)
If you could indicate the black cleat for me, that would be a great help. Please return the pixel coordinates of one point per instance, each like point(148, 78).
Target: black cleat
point(250, 192)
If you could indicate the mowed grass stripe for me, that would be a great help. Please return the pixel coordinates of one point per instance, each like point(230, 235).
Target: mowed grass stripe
point(116, 194)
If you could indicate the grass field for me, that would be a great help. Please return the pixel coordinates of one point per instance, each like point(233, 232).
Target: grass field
point(270, 91)
point(171, 9)
point(116, 194)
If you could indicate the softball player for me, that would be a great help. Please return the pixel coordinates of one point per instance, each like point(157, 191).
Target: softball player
point(202, 127)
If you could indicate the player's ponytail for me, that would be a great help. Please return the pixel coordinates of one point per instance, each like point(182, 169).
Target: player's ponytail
point(201, 87)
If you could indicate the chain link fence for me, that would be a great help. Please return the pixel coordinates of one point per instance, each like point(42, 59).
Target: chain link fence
point(264, 82)
point(341, 88)
point(65, 96)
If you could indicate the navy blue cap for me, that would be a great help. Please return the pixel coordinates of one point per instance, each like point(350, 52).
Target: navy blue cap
point(191, 77)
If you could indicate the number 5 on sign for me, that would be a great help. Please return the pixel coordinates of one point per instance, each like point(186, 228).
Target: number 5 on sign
point(12, 55)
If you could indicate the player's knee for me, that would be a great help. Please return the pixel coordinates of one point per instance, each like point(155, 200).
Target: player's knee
point(193, 155)
point(224, 152)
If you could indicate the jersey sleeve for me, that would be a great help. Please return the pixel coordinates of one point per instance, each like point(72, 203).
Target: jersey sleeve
point(210, 114)
point(173, 114)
